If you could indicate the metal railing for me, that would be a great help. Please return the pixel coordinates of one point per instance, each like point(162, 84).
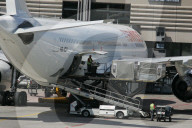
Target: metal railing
point(104, 69)
point(106, 96)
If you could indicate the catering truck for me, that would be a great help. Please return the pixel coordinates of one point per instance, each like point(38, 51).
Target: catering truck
point(103, 110)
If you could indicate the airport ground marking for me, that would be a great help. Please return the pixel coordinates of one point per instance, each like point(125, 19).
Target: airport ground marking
point(34, 114)
point(78, 125)
point(3, 120)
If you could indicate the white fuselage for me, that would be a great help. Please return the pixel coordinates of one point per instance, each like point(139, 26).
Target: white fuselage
point(51, 53)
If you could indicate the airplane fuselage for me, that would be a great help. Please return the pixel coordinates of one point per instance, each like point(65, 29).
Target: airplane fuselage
point(50, 54)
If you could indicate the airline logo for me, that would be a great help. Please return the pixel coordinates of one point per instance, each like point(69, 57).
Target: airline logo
point(132, 36)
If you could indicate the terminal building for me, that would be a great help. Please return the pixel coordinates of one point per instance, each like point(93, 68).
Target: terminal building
point(165, 25)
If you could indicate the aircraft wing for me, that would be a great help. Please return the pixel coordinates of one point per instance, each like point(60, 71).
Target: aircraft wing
point(149, 69)
point(161, 60)
point(55, 27)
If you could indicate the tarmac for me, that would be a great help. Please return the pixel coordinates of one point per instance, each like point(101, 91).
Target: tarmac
point(51, 115)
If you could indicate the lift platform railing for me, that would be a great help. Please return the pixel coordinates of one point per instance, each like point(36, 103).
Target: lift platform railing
point(103, 95)
point(111, 95)
point(104, 68)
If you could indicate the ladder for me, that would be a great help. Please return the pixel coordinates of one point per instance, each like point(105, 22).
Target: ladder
point(103, 95)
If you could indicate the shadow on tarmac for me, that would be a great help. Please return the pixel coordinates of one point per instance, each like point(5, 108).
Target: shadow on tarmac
point(58, 113)
point(185, 112)
point(74, 120)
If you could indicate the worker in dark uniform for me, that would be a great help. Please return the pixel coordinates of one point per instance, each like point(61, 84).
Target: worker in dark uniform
point(152, 110)
point(89, 63)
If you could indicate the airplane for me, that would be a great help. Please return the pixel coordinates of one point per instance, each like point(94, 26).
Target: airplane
point(47, 50)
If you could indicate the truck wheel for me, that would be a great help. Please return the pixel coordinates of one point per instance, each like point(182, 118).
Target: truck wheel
point(1, 98)
point(120, 115)
point(20, 98)
point(4, 98)
point(24, 95)
point(169, 119)
point(85, 113)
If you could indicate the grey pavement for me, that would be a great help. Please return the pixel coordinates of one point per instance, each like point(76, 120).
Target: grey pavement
point(51, 115)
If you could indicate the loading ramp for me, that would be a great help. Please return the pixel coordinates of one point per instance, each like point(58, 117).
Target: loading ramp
point(103, 95)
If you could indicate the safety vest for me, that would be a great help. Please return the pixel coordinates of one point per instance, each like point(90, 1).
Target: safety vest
point(152, 106)
point(89, 61)
point(28, 84)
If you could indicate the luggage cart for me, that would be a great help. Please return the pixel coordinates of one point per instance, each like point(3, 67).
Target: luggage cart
point(163, 113)
point(32, 88)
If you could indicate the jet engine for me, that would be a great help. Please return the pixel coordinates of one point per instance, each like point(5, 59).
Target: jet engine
point(182, 87)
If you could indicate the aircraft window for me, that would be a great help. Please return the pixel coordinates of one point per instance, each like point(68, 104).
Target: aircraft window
point(27, 38)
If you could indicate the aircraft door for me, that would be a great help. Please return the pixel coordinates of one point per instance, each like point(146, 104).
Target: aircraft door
point(75, 64)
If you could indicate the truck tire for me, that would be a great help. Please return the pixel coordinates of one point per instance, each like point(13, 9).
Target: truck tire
point(1, 98)
point(85, 113)
point(4, 98)
point(169, 119)
point(24, 94)
point(20, 98)
point(120, 115)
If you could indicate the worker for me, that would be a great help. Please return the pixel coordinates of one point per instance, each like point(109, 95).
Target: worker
point(152, 110)
point(28, 84)
point(89, 63)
